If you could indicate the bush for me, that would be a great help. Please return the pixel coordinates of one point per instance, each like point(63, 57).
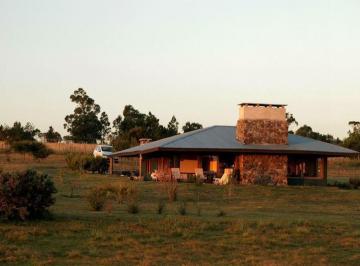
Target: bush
point(182, 208)
point(81, 162)
point(97, 198)
point(221, 213)
point(160, 207)
point(342, 185)
point(263, 180)
point(37, 149)
point(354, 182)
point(171, 188)
point(133, 207)
point(25, 195)
point(98, 164)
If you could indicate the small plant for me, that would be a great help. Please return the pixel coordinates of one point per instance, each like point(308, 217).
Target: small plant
point(97, 198)
point(182, 208)
point(171, 188)
point(354, 182)
point(221, 213)
point(198, 209)
point(25, 195)
point(161, 207)
point(263, 180)
point(133, 207)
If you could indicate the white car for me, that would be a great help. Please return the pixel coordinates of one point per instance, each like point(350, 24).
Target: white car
point(103, 151)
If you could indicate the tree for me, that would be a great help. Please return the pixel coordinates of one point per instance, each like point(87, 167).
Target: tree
point(291, 120)
point(191, 127)
point(353, 139)
point(84, 124)
point(133, 125)
point(173, 127)
point(306, 131)
point(52, 136)
point(18, 132)
point(105, 126)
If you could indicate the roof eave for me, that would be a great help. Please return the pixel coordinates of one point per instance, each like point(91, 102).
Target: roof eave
point(261, 151)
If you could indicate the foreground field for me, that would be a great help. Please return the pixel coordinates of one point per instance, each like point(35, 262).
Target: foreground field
point(226, 226)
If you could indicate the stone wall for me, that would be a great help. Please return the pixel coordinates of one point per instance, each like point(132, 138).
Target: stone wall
point(262, 131)
point(253, 167)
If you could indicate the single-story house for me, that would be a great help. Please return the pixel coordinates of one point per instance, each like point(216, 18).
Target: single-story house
point(258, 146)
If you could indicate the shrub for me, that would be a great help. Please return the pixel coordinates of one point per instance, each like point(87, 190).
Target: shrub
point(354, 182)
point(121, 192)
point(160, 207)
point(97, 198)
point(98, 164)
point(25, 195)
point(342, 185)
point(37, 149)
point(133, 207)
point(81, 162)
point(221, 213)
point(263, 180)
point(171, 188)
point(182, 208)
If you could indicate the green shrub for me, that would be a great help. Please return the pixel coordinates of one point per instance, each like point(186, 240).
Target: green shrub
point(342, 185)
point(85, 162)
point(98, 164)
point(221, 213)
point(263, 180)
point(354, 182)
point(161, 207)
point(171, 188)
point(37, 149)
point(182, 208)
point(25, 195)
point(133, 207)
point(97, 198)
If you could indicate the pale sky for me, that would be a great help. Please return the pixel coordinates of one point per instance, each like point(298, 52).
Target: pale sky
point(196, 59)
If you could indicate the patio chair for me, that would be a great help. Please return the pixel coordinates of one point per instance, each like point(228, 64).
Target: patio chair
point(200, 173)
point(225, 179)
point(177, 175)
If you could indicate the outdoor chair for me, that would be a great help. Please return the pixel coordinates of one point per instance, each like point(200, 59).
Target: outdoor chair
point(199, 172)
point(225, 179)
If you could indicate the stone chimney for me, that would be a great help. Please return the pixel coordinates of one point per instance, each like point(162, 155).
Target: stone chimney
point(262, 124)
point(144, 141)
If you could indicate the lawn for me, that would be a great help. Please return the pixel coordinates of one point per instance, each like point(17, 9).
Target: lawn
point(248, 225)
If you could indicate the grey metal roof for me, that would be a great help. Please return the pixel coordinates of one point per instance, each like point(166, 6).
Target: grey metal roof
point(222, 139)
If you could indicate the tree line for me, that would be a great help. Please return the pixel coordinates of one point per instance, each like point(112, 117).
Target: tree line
point(88, 124)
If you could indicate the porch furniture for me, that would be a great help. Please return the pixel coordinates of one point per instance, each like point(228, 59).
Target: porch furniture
point(176, 174)
point(199, 172)
point(225, 179)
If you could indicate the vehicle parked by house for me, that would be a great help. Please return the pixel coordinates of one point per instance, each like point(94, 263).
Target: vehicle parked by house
point(103, 151)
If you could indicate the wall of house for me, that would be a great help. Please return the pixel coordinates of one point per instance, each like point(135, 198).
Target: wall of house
point(255, 166)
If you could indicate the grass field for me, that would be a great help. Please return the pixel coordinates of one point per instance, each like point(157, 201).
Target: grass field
point(257, 225)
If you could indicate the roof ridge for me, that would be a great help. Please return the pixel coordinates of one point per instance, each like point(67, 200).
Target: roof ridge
point(188, 134)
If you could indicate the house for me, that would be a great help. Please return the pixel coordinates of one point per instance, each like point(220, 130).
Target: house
point(258, 146)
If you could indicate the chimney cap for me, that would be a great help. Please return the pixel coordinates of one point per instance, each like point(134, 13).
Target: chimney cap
point(263, 104)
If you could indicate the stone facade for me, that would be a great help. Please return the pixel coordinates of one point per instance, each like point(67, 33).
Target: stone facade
point(262, 131)
point(255, 167)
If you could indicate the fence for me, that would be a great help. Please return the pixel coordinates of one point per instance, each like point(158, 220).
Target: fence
point(344, 168)
point(62, 147)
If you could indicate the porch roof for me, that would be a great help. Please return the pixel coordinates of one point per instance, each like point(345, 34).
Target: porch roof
point(222, 139)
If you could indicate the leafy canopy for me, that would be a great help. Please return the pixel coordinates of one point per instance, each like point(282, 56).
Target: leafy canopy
point(83, 124)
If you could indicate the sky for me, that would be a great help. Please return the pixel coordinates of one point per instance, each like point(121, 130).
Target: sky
point(195, 59)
